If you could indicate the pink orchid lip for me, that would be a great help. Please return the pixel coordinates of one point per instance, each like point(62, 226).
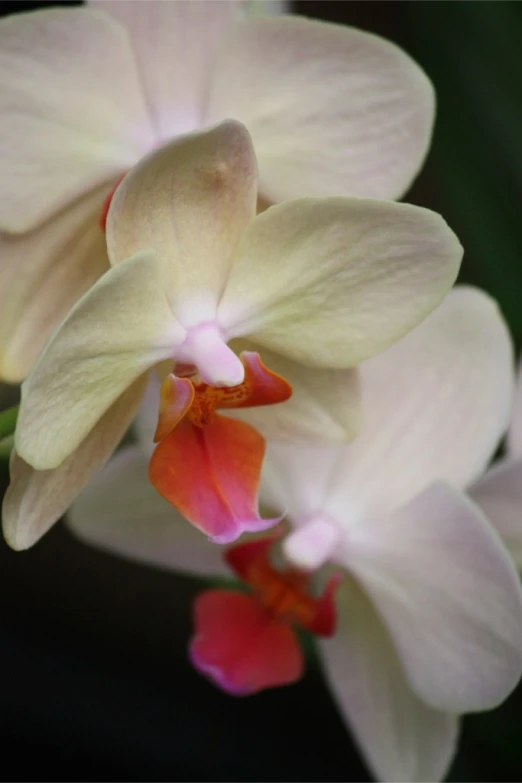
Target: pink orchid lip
point(245, 643)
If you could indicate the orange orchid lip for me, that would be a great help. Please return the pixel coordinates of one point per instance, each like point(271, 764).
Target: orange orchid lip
point(208, 466)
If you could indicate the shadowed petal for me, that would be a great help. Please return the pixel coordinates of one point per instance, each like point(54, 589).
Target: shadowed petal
point(36, 499)
point(73, 114)
point(499, 495)
point(121, 512)
point(42, 275)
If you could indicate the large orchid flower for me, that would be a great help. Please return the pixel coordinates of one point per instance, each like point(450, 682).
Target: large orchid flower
point(428, 619)
point(316, 284)
point(86, 92)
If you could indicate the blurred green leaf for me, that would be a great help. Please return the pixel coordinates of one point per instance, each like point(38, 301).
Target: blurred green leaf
point(8, 421)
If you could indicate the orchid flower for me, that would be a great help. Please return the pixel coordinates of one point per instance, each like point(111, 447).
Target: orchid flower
point(317, 285)
point(87, 92)
point(427, 620)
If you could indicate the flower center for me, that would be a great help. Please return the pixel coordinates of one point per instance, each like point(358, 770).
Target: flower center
point(185, 393)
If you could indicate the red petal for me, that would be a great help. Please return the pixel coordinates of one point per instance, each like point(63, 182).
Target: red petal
point(240, 647)
point(176, 397)
point(263, 386)
point(325, 619)
point(211, 474)
point(241, 557)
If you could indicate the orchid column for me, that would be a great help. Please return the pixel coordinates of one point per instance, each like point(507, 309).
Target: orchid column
point(315, 285)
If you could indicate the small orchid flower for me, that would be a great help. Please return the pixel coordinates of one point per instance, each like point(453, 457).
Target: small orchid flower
point(316, 285)
point(86, 92)
point(499, 491)
point(428, 617)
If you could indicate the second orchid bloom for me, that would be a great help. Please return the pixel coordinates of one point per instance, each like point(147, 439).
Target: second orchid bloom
point(314, 286)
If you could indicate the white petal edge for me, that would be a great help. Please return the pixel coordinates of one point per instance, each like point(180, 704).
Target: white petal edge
point(400, 737)
point(36, 499)
point(449, 595)
point(42, 275)
point(514, 440)
point(499, 495)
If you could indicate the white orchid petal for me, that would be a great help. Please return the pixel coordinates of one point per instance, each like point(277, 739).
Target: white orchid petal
point(119, 329)
point(43, 274)
point(435, 407)
point(332, 110)
point(401, 738)
point(122, 513)
point(448, 592)
point(174, 43)
point(36, 499)
point(73, 114)
point(499, 495)
point(190, 201)
point(331, 282)
point(297, 479)
point(514, 440)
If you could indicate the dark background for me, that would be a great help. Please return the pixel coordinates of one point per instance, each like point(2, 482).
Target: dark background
point(95, 683)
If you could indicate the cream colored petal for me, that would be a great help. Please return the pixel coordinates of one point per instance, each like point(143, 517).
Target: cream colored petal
point(333, 111)
point(42, 275)
point(400, 737)
point(325, 405)
point(449, 594)
point(73, 114)
point(499, 495)
point(122, 513)
point(514, 440)
point(190, 201)
point(332, 282)
point(174, 43)
point(119, 329)
point(36, 499)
